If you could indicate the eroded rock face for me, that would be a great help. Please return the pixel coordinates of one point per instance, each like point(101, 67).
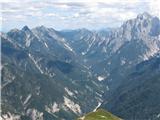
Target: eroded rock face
point(138, 96)
point(45, 72)
point(34, 114)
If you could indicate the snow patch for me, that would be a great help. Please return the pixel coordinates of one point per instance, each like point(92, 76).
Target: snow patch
point(8, 79)
point(35, 114)
point(101, 78)
point(104, 50)
point(109, 63)
point(46, 45)
point(69, 92)
point(83, 53)
point(68, 47)
point(36, 63)
point(99, 104)
point(27, 99)
point(1, 66)
point(10, 116)
point(158, 116)
point(81, 37)
point(76, 91)
point(98, 94)
point(72, 106)
point(52, 108)
point(123, 62)
point(28, 41)
point(89, 88)
point(107, 88)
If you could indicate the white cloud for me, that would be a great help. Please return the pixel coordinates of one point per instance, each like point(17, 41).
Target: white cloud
point(51, 14)
point(9, 11)
point(8, 1)
point(60, 5)
point(33, 14)
point(33, 8)
point(126, 16)
point(21, 17)
point(88, 13)
point(76, 15)
point(154, 7)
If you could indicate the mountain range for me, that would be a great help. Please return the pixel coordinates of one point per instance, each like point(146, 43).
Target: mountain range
point(55, 75)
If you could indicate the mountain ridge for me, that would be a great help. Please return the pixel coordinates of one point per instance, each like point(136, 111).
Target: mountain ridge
point(71, 67)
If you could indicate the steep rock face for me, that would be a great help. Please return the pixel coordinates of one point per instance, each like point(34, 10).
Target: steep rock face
point(137, 40)
point(138, 97)
point(132, 42)
point(109, 54)
point(132, 92)
point(49, 74)
point(80, 39)
point(40, 81)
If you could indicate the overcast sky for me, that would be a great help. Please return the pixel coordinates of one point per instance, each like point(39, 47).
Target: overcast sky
point(69, 14)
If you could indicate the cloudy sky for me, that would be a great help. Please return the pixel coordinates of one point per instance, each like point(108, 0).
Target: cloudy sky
point(71, 14)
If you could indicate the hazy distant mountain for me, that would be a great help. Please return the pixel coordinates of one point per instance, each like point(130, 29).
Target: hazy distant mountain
point(49, 74)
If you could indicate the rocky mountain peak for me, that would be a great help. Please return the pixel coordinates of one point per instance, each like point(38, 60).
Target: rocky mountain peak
point(144, 15)
point(144, 24)
point(15, 30)
point(42, 28)
point(25, 28)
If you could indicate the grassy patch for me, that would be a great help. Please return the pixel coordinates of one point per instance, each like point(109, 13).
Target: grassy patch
point(100, 114)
